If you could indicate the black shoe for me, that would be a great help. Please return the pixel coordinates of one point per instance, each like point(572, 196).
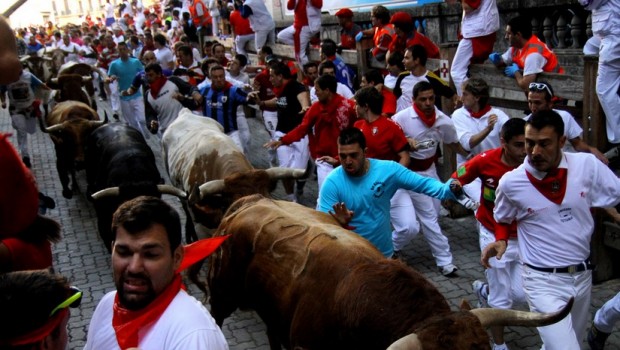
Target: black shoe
point(596, 338)
point(26, 161)
point(115, 116)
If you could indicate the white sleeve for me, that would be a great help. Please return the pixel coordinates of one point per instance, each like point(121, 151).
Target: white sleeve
point(571, 128)
point(448, 130)
point(605, 185)
point(203, 339)
point(534, 64)
point(313, 97)
point(199, 10)
point(505, 211)
point(507, 56)
point(463, 132)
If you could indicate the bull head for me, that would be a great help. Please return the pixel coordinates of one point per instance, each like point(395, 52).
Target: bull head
point(488, 317)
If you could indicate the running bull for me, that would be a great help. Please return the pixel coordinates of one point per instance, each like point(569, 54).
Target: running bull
point(120, 166)
point(319, 286)
point(205, 162)
point(69, 125)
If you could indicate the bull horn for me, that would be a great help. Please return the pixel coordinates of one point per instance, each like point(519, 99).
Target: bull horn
point(408, 342)
point(171, 190)
point(54, 80)
point(499, 317)
point(54, 128)
point(97, 123)
point(108, 192)
point(86, 79)
point(278, 173)
point(211, 187)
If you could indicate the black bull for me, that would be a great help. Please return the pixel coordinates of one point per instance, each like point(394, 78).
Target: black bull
point(120, 166)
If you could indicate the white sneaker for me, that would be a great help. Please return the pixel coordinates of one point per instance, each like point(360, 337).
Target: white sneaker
point(481, 289)
point(612, 153)
point(448, 270)
point(500, 346)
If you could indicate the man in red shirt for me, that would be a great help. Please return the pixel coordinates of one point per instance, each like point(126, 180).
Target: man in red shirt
point(323, 123)
point(349, 29)
point(306, 24)
point(408, 36)
point(241, 30)
point(504, 286)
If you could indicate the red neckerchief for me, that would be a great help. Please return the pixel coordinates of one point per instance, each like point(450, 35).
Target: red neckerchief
point(157, 85)
point(481, 112)
point(429, 121)
point(553, 185)
point(127, 323)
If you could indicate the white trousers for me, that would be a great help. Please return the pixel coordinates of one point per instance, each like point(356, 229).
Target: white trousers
point(322, 170)
point(270, 119)
point(505, 277)
point(264, 37)
point(427, 212)
point(234, 135)
point(300, 43)
point(133, 115)
point(549, 292)
point(241, 41)
point(244, 130)
point(23, 124)
point(402, 215)
point(607, 84)
point(460, 64)
point(115, 97)
point(295, 155)
point(608, 315)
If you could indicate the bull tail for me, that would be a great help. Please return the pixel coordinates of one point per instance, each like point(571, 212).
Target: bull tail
point(193, 273)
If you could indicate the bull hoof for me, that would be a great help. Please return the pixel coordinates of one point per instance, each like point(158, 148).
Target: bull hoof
point(67, 194)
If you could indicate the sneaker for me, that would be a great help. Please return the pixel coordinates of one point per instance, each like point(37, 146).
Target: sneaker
point(448, 270)
point(596, 338)
point(500, 346)
point(481, 289)
point(26, 161)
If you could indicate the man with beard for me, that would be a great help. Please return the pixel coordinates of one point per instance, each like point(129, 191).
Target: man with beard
point(550, 196)
point(149, 308)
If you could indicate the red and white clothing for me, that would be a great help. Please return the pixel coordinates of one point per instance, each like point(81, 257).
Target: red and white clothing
point(423, 163)
point(555, 225)
point(478, 31)
point(504, 276)
point(185, 324)
point(323, 123)
point(400, 44)
point(306, 23)
point(242, 30)
point(261, 22)
point(468, 124)
point(404, 89)
point(382, 39)
point(535, 57)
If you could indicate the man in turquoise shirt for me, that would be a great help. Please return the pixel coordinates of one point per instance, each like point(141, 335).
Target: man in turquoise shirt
point(358, 192)
point(123, 70)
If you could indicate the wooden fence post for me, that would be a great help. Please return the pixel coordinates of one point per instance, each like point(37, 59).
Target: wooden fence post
point(595, 134)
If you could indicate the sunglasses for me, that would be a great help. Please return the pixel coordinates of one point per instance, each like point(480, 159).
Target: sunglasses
point(540, 87)
point(73, 301)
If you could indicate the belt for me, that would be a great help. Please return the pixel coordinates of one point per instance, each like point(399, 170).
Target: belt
point(586, 265)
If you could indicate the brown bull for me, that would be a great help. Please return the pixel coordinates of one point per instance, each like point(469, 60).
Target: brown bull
point(319, 286)
point(71, 88)
point(205, 162)
point(69, 125)
point(84, 70)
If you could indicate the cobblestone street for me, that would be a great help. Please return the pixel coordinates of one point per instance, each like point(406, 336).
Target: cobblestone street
point(81, 255)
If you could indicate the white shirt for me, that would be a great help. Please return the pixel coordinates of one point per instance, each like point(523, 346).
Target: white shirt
point(482, 21)
point(167, 108)
point(552, 235)
point(405, 100)
point(534, 62)
point(164, 57)
point(109, 10)
point(467, 126)
point(390, 81)
point(72, 51)
point(341, 90)
point(261, 19)
point(442, 131)
point(185, 325)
